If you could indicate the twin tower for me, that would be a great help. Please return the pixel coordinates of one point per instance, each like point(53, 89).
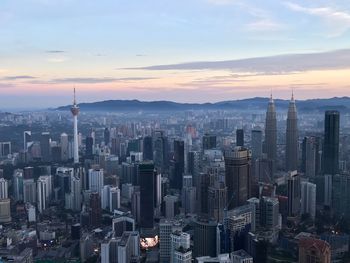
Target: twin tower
point(291, 134)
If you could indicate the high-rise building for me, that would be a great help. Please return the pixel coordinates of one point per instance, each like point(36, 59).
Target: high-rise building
point(294, 194)
point(170, 206)
point(179, 164)
point(208, 142)
point(27, 139)
point(114, 199)
point(217, 198)
point(106, 136)
point(3, 188)
point(95, 209)
point(237, 176)
point(45, 146)
point(331, 142)
point(179, 240)
point(146, 179)
point(44, 187)
point(188, 195)
point(314, 250)
point(122, 223)
point(75, 111)
point(5, 211)
point(340, 195)
point(256, 143)
point(29, 191)
point(166, 228)
point(309, 157)
point(308, 199)
point(64, 147)
point(17, 181)
point(89, 145)
point(292, 137)
point(238, 223)
point(160, 150)
point(148, 148)
point(205, 237)
point(271, 132)
point(96, 180)
point(240, 137)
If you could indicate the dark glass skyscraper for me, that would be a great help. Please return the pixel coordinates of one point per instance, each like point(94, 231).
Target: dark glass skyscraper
point(237, 176)
point(89, 145)
point(209, 142)
point(240, 137)
point(45, 146)
point(148, 148)
point(179, 164)
point(106, 136)
point(146, 179)
point(331, 142)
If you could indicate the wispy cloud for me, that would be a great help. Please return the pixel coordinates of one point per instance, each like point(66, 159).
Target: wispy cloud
point(264, 24)
point(97, 80)
point(338, 59)
point(55, 51)
point(20, 77)
point(57, 59)
point(338, 20)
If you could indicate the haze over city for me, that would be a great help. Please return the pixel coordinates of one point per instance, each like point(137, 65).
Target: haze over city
point(174, 131)
point(232, 49)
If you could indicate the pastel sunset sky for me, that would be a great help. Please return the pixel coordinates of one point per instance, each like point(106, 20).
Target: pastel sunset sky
point(179, 50)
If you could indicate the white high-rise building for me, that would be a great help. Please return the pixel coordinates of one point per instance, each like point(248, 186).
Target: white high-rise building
point(180, 244)
point(75, 111)
point(18, 184)
point(96, 180)
point(75, 186)
point(166, 228)
point(114, 199)
point(3, 188)
point(308, 199)
point(44, 192)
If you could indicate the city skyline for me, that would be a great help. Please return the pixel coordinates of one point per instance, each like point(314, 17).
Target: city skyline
point(183, 51)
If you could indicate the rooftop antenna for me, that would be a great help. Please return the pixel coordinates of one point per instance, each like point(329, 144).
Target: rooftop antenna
point(74, 101)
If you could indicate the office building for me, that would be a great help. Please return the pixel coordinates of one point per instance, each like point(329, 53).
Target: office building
point(292, 137)
point(146, 178)
point(271, 132)
point(294, 194)
point(308, 199)
point(256, 143)
point(237, 176)
point(331, 142)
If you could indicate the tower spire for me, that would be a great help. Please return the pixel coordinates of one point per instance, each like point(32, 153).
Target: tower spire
point(74, 100)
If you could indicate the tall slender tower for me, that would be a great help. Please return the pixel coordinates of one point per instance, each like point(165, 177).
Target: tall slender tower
point(292, 137)
point(75, 111)
point(271, 132)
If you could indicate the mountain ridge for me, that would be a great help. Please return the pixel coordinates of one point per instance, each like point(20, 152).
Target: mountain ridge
point(255, 103)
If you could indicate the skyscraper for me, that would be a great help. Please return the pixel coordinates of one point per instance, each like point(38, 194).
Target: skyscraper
point(45, 146)
point(256, 143)
point(292, 137)
point(208, 142)
point(27, 138)
point(294, 193)
point(75, 111)
point(237, 176)
point(179, 163)
point(240, 137)
point(309, 156)
point(146, 179)
point(331, 143)
point(271, 132)
point(64, 147)
point(308, 199)
point(106, 136)
point(148, 148)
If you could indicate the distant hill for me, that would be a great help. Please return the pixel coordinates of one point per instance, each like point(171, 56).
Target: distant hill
point(337, 103)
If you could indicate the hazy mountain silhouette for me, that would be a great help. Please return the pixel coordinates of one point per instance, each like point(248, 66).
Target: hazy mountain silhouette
point(258, 103)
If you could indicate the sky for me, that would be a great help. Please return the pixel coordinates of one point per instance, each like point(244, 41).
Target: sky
point(183, 50)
